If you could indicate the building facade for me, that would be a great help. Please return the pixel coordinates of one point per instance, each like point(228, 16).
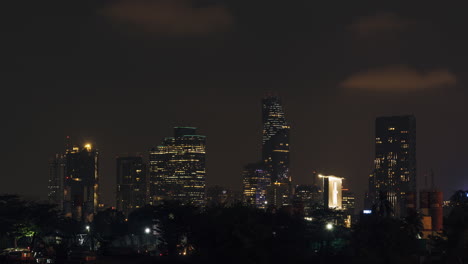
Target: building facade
point(332, 192)
point(177, 168)
point(348, 201)
point(395, 163)
point(431, 206)
point(57, 171)
point(275, 151)
point(256, 180)
point(309, 197)
point(132, 188)
point(81, 183)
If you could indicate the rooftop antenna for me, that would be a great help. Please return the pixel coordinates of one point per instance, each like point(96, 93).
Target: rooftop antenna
point(67, 143)
point(425, 180)
point(432, 179)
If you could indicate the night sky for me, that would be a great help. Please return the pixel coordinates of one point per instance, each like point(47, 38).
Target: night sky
point(121, 74)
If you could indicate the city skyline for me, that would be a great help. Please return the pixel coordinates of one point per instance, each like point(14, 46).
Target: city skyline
point(383, 125)
point(98, 74)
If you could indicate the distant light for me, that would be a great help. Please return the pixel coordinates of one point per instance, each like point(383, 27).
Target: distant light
point(88, 147)
point(147, 230)
point(329, 226)
point(88, 227)
point(367, 211)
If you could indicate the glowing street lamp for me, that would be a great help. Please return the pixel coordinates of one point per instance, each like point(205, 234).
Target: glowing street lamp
point(147, 230)
point(88, 228)
point(329, 226)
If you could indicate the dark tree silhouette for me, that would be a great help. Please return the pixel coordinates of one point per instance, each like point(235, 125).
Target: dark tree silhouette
point(456, 228)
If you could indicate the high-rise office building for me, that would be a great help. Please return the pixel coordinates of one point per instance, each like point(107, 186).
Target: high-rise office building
point(256, 180)
point(332, 191)
point(275, 151)
point(395, 163)
point(131, 184)
point(57, 171)
point(177, 168)
point(348, 201)
point(431, 206)
point(310, 197)
point(81, 183)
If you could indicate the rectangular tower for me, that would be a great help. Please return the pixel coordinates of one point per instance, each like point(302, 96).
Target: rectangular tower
point(177, 168)
point(81, 185)
point(309, 197)
point(395, 163)
point(332, 192)
point(131, 184)
point(256, 181)
point(57, 171)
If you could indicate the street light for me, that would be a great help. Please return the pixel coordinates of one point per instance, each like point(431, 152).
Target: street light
point(329, 226)
point(88, 228)
point(147, 230)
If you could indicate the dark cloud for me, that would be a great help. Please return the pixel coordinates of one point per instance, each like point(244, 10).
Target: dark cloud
point(380, 23)
point(399, 78)
point(172, 17)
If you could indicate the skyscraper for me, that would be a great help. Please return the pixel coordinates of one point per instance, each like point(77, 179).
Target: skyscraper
point(431, 206)
point(275, 151)
point(81, 184)
point(131, 184)
point(395, 162)
point(309, 196)
point(348, 201)
point(332, 191)
point(256, 180)
point(57, 171)
point(177, 168)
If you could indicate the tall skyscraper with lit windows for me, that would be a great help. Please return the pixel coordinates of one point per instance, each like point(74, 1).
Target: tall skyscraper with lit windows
point(81, 183)
point(177, 168)
point(395, 163)
point(57, 171)
point(131, 184)
point(256, 181)
point(275, 151)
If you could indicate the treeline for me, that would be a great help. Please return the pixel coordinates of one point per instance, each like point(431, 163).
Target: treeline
point(239, 233)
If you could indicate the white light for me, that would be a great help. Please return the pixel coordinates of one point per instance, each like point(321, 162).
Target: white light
point(147, 230)
point(329, 226)
point(367, 211)
point(88, 227)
